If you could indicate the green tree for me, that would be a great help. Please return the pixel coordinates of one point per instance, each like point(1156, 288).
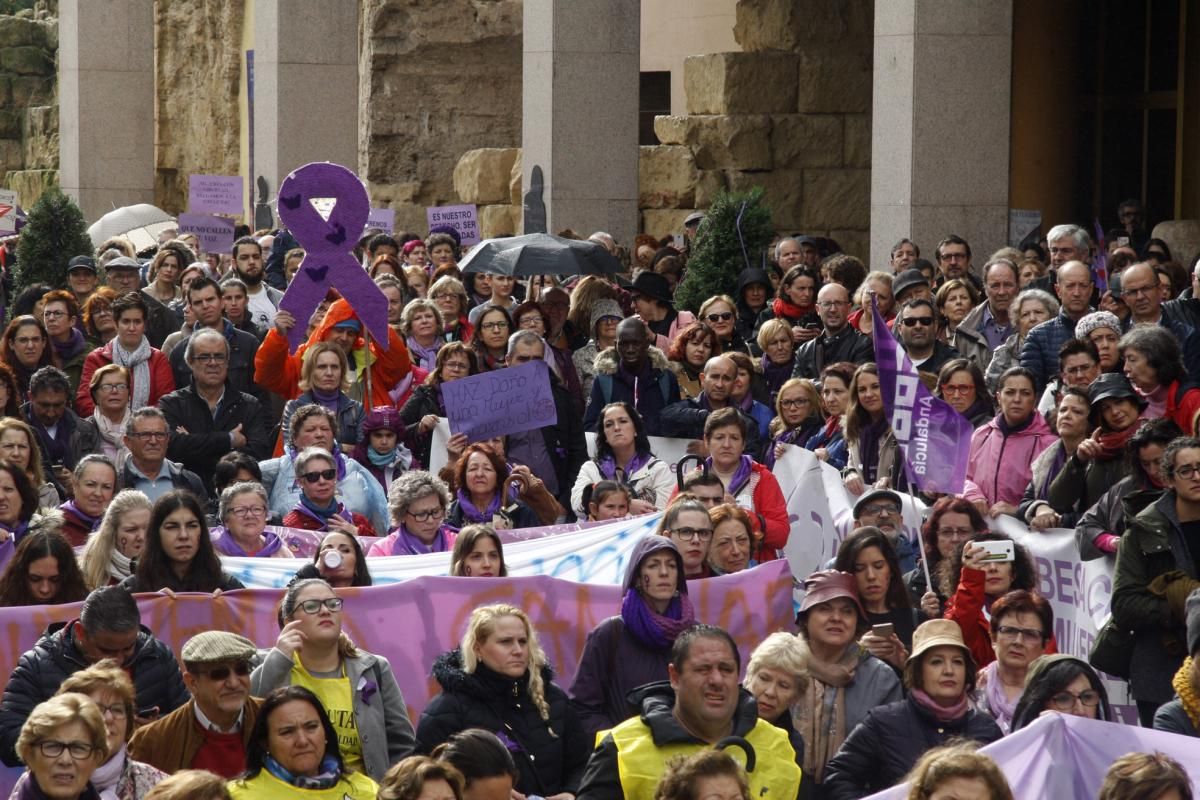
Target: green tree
point(731, 238)
point(55, 233)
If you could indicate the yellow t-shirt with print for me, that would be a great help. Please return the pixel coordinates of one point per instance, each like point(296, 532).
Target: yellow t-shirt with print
point(265, 786)
point(337, 697)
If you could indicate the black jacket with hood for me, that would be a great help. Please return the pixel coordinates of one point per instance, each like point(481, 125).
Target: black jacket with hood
point(550, 753)
point(655, 389)
point(601, 689)
point(747, 321)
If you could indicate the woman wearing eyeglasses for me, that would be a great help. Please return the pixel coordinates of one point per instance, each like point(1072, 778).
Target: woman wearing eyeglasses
point(25, 348)
point(417, 502)
point(104, 431)
point(357, 689)
point(319, 508)
point(1021, 624)
point(1065, 684)
point(720, 312)
point(63, 743)
point(797, 417)
point(179, 555)
point(951, 522)
point(960, 383)
point(490, 341)
point(421, 411)
point(243, 513)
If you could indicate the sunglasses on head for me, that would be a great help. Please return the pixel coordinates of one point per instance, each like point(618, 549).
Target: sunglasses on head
point(326, 474)
point(911, 321)
point(241, 669)
point(723, 316)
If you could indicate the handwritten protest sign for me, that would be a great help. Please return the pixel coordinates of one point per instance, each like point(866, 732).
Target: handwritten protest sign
point(216, 233)
point(8, 211)
point(382, 218)
point(498, 403)
point(216, 194)
point(463, 219)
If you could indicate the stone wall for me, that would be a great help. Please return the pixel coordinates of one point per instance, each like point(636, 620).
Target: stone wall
point(437, 79)
point(197, 74)
point(28, 104)
point(791, 113)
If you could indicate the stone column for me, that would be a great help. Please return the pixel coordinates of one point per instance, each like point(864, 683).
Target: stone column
point(106, 103)
point(940, 139)
point(305, 86)
point(580, 112)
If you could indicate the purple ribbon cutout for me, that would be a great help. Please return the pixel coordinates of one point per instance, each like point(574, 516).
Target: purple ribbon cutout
point(328, 261)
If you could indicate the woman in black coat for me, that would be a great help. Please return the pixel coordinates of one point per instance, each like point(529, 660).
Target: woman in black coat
point(498, 680)
point(940, 675)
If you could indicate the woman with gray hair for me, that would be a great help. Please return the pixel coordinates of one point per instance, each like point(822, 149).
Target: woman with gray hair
point(318, 508)
point(1031, 308)
point(1154, 365)
point(417, 502)
point(108, 555)
point(95, 480)
point(422, 327)
point(243, 530)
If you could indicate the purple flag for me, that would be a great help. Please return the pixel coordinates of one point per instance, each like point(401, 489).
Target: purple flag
point(934, 438)
point(1100, 263)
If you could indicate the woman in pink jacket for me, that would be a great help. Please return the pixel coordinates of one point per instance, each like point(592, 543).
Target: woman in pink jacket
point(1003, 450)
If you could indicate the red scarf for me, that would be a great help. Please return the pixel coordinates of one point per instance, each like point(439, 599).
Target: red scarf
point(782, 308)
point(1113, 443)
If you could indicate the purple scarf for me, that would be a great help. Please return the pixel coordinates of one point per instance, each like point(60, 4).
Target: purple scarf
point(1060, 459)
point(651, 628)
point(608, 467)
point(226, 545)
point(425, 357)
point(77, 512)
point(73, 346)
point(31, 791)
point(776, 374)
point(473, 514)
point(997, 702)
point(407, 544)
point(740, 477)
point(329, 400)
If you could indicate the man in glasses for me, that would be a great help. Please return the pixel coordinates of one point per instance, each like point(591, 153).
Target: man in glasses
point(205, 299)
point(882, 509)
point(147, 468)
point(208, 417)
point(917, 326)
point(109, 626)
point(839, 341)
point(212, 730)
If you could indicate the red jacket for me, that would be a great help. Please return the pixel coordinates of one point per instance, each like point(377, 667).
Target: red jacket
point(966, 608)
point(162, 380)
point(768, 514)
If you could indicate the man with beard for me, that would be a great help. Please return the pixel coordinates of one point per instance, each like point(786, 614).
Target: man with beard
point(262, 299)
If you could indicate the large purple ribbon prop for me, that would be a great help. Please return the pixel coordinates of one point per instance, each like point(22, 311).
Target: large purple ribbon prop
point(934, 438)
point(328, 261)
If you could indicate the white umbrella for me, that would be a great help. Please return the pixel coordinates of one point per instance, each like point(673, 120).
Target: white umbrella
point(141, 223)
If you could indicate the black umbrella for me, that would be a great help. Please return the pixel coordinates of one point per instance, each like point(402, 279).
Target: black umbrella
point(539, 254)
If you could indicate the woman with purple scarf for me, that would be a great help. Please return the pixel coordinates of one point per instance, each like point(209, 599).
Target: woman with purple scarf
point(95, 484)
point(655, 609)
point(798, 418)
point(779, 350)
point(623, 455)
point(324, 380)
point(421, 325)
point(485, 495)
point(380, 447)
point(417, 502)
point(243, 512)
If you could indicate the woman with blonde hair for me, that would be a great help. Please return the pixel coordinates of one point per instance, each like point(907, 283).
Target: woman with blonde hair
point(498, 680)
point(324, 381)
point(421, 777)
point(357, 689)
point(957, 771)
point(775, 675)
point(451, 298)
point(798, 417)
point(190, 784)
point(108, 555)
point(63, 742)
point(19, 447)
point(1146, 776)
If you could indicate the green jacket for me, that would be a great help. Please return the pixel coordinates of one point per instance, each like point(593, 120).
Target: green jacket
point(1152, 545)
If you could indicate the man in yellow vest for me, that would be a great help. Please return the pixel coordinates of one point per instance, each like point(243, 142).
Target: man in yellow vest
point(700, 706)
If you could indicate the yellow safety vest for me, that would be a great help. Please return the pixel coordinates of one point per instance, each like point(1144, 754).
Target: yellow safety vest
point(641, 762)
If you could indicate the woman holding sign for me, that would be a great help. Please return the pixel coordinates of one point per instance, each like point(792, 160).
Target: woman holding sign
point(623, 455)
point(420, 413)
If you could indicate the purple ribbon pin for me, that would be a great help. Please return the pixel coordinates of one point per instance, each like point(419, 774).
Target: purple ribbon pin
point(327, 243)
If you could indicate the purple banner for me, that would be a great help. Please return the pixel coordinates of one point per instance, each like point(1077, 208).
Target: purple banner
point(216, 194)
point(1100, 263)
point(412, 623)
point(500, 402)
point(216, 233)
point(463, 219)
point(934, 438)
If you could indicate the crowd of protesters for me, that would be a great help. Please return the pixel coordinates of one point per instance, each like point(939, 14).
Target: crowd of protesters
point(156, 419)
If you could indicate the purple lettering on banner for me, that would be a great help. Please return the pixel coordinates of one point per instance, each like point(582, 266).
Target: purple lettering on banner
point(463, 219)
point(216, 233)
point(412, 623)
point(501, 402)
point(217, 194)
point(935, 439)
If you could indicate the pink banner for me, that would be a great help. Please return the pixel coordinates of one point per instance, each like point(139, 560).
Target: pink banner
point(411, 623)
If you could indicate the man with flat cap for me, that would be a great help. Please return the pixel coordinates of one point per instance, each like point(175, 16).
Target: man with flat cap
point(212, 730)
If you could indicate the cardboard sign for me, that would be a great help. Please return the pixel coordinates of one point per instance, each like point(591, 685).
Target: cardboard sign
point(382, 218)
point(8, 211)
point(1021, 223)
point(501, 402)
point(463, 219)
point(217, 194)
point(216, 233)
